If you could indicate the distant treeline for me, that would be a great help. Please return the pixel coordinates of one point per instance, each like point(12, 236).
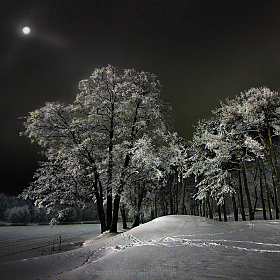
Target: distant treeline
point(17, 210)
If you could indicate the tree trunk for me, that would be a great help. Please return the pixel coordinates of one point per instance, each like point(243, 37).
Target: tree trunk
point(136, 221)
point(99, 199)
point(102, 219)
point(139, 204)
point(219, 212)
point(241, 197)
point(268, 203)
point(123, 214)
point(261, 189)
point(274, 179)
point(197, 208)
point(175, 189)
point(110, 163)
point(235, 209)
point(256, 200)
point(165, 207)
point(275, 202)
point(250, 209)
point(114, 224)
point(263, 201)
point(224, 210)
point(100, 211)
point(177, 194)
point(209, 207)
point(152, 215)
point(155, 204)
point(110, 176)
point(270, 154)
point(117, 198)
point(109, 208)
point(183, 209)
point(171, 199)
point(267, 190)
point(200, 209)
point(203, 209)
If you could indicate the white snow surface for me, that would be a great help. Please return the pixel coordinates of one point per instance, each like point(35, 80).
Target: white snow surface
point(169, 247)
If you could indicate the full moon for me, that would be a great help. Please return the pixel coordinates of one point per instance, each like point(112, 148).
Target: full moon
point(26, 30)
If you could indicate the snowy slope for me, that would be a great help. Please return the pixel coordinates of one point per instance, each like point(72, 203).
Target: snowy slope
point(187, 247)
point(170, 247)
point(49, 265)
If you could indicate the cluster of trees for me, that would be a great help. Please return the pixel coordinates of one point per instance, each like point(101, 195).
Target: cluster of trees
point(16, 210)
point(235, 155)
point(105, 146)
point(113, 145)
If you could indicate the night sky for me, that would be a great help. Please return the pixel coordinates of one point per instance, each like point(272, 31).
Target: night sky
point(202, 52)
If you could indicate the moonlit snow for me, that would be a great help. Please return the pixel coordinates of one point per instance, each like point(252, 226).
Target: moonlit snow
point(170, 247)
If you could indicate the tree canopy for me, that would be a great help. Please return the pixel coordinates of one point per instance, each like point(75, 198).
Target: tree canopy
point(97, 144)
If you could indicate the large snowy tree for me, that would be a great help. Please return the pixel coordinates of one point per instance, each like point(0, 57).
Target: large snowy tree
point(93, 139)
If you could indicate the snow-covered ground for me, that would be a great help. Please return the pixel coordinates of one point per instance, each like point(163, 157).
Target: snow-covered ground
point(23, 242)
point(170, 247)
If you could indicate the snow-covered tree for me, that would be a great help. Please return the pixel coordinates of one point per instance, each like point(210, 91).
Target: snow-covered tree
point(173, 158)
point(240, 132)
point(210, 156)
point(255, 114)
point(145, 175)
point(93, 139)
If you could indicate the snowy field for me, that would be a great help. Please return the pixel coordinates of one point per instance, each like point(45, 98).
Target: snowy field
point(23, 242)
point(170, 247)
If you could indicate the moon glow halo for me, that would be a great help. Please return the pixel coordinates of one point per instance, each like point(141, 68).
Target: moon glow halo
point(26, 30)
